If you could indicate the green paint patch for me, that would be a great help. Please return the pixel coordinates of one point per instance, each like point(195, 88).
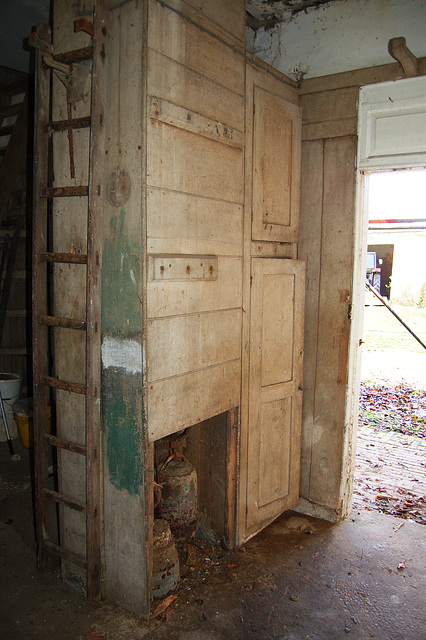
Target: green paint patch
point(121, 276)
point(123, 419)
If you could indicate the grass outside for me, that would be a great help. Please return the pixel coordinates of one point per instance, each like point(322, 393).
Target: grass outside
point(382, 331)
point(398, 405)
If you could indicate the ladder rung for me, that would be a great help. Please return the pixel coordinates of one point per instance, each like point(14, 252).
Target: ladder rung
point(66, 125)
point(13, 351)
point(56, 550)
point(66, 323)
point(72, 258)
point(74, 387)
point(7, 130)
point(86, 53)
point(66, 501)
point(10, 110)
point(54, 441)
point(65, 192)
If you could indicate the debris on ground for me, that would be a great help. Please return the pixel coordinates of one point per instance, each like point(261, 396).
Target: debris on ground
point(397, 408)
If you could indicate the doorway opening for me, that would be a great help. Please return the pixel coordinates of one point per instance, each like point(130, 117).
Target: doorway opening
point(391, 442)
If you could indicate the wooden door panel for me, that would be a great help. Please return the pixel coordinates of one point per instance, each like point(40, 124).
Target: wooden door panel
point(276, 168)
point(275, 389)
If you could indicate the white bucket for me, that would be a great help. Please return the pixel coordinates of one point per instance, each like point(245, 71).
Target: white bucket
point(10, 387)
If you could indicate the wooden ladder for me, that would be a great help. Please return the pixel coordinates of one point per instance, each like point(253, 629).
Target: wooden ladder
point(45, 322)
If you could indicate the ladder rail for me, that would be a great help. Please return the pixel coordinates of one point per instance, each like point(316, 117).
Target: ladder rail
point(40, 300)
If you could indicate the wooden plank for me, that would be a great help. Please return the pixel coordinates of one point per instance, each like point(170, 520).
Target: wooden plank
point(207, 393)
point(194, 48)
point(179, 223)
point(198, 341)
point(276, 168)
point(176, 298)
point(185, 162)
point(330, 105)
point(183, 118)
point(187, 88)
point(227, 14)
point(333, 321)
point(63, 553)
point(330, 129)
point(310, 251)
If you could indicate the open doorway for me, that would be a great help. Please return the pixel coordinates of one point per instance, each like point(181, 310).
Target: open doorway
point(391, 443)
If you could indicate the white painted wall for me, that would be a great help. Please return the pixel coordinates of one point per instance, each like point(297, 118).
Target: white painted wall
point(341, 36)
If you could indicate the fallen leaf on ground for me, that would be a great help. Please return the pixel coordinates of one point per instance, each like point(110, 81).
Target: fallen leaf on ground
point(163, 606)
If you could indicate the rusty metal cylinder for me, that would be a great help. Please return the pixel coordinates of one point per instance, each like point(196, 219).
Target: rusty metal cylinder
point(165, 570)
point(179, 499)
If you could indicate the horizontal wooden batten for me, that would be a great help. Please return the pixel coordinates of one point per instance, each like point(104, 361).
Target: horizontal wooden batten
point(61, 443)
point(65, 192)
point(73, 387)
point(168, 299)
point(181, 223)
point(187, 88)
point(66, 323)
point(179, 160)
point(60, 552)
point(67, 258)
point(65, 501)
point(172, 268)
point(207, 393)
point(183, 118)
point(66, 125)
point(199, 341)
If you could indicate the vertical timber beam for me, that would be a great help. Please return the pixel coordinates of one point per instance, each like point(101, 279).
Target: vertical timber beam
point(121, 185)
point(40, 296)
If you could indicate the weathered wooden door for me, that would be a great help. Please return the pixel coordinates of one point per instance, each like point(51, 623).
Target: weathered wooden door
point(275, 388)
point(271, 406)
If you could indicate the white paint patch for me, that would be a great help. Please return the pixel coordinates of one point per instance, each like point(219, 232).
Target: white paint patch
point(122, 354)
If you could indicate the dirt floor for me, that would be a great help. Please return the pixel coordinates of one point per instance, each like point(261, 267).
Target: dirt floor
point(301, 578)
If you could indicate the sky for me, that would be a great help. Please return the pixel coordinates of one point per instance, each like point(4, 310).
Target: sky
point(397, 194)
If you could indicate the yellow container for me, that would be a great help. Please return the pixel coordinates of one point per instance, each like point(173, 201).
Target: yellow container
point(23, 416)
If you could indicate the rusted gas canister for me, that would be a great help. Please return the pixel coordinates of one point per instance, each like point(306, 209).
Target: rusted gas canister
point(165, 569)
point(179, 499)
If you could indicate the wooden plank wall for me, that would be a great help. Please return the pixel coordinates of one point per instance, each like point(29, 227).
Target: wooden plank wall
point(327, 237)
point(195, 133)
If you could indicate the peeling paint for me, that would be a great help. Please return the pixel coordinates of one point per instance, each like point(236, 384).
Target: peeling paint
point(122, 371)
point(122, 354)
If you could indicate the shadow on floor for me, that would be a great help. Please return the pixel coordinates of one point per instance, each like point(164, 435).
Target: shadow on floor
point(301, 578)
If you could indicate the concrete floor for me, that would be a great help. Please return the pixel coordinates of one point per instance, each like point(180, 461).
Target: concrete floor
point(301, 578)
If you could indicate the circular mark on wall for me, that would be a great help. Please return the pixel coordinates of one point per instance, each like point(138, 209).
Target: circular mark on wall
point(118, 187)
